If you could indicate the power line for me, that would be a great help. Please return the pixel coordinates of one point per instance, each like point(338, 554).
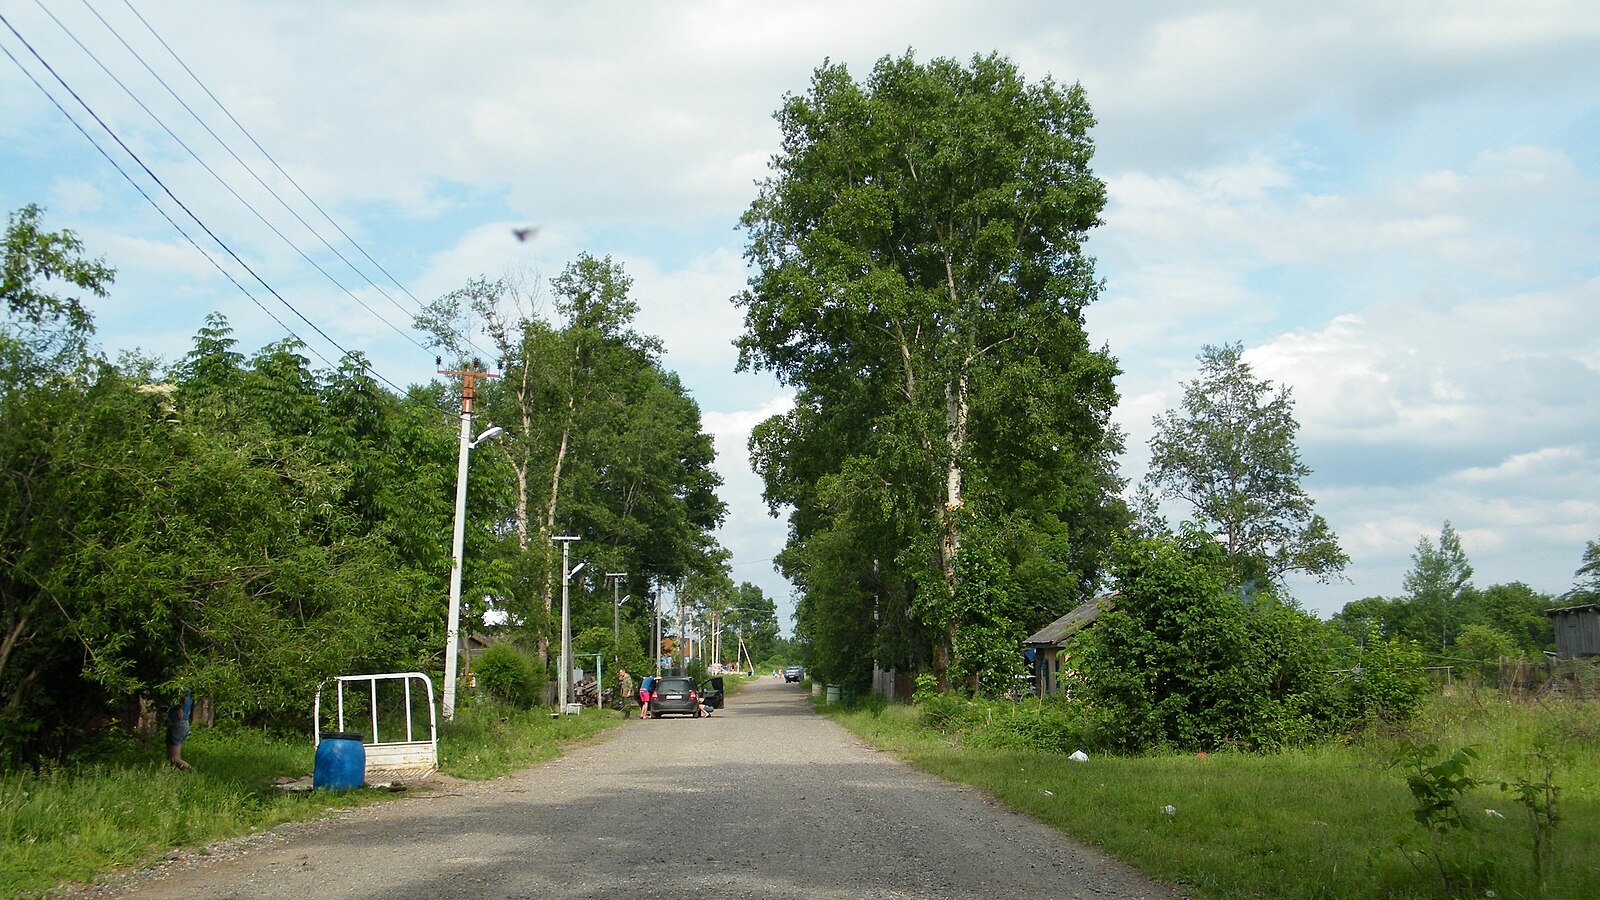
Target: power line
point(212, 172)
point(137, 187)
point(270, 158)
point(174, 198)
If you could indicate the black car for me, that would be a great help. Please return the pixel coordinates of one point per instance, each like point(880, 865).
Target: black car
point(675, 696)
point(793, 673)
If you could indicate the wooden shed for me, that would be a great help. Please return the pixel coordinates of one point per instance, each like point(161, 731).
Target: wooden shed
point(1577, 631)
point(1050, 643)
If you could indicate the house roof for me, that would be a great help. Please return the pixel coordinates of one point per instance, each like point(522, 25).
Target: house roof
point(1073, 622)
point(1566, 610)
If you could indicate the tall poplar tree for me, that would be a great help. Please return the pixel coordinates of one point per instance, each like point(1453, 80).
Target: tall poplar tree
point(920, 281)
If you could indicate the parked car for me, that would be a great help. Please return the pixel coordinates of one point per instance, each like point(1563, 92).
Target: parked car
point(793, 673)
point(675, 696)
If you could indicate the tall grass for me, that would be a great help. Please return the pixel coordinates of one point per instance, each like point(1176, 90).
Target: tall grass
point(1315, 822)
point(127, 807)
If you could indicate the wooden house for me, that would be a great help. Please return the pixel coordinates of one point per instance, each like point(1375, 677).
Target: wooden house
point(1577, 631)
point(1051, 644)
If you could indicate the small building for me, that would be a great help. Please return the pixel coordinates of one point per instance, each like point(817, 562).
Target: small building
point(1050, 643)
point(1577, 631)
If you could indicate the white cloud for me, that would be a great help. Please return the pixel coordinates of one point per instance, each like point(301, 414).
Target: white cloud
point(1393, 207)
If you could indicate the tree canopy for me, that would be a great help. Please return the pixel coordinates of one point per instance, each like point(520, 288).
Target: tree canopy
point(243, 525)
point(920, 279)
point(1231, 455)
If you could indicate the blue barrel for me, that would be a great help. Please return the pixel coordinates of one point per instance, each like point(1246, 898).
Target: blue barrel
point(341, 762)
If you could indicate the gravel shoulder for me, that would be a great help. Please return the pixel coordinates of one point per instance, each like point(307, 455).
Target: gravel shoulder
point(765, 799)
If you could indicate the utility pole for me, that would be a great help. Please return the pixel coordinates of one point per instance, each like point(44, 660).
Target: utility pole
point(677, 596)
point(458, 537)
point(616, 606)
point(564, 679)
point(657, 651)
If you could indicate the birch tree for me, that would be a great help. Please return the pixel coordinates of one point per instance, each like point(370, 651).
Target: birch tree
point(920, 280)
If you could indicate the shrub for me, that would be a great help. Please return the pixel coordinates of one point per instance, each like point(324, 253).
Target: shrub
point(508, 675)
point(1185, 661)
point(1389, 684)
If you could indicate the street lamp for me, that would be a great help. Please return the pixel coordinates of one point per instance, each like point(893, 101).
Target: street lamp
point(457, 545)
point(565, 676)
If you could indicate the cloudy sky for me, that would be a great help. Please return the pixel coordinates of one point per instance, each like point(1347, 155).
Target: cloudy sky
point(1395, 207)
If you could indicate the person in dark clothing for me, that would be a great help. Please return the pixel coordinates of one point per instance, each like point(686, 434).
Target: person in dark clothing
point(178, 716)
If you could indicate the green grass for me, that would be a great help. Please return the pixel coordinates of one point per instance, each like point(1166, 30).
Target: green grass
point(1318, 822)
point(129, 807)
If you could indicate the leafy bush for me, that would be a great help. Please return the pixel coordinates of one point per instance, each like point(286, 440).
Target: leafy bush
point(508, 675)
point(944, 712)
point(1389, 684)
point(1183, 660)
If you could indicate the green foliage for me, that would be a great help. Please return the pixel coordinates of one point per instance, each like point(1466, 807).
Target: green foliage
point(946, 712)
point(919, 278)
point(246, 526)
point(1232, 456)
point(1439, 578)
point(1483, 645)
point(46, 330)
point(1586, 586)
point(1049, 727)
point(509, 675)
point(600, 440)
point(1540, 798)
point(1181, 660)
point(1389, 683)
point(1437, 789)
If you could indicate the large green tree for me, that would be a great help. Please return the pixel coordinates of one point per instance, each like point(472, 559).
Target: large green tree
point(601, 440)
point(1437, 587)
point(920, 279)
point(1231, 455)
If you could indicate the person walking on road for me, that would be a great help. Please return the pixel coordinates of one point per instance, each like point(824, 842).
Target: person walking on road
point(625, 691)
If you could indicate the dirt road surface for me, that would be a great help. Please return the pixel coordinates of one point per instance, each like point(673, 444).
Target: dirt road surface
point(766, 799)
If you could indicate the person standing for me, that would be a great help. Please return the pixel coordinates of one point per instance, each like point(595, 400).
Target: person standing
point(625, 691)
point(178, 716)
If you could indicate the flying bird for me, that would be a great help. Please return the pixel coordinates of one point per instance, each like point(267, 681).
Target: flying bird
point(524, 233)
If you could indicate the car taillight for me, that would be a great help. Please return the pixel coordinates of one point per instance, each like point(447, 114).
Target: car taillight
point(691, 695)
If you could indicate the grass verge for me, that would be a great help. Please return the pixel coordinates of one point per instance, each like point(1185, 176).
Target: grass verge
point(1319, 822)
point(73, 822)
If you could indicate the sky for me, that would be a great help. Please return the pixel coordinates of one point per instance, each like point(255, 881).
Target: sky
point(1394, 207)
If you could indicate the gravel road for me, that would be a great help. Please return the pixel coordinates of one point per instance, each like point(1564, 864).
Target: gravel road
point(765, 799)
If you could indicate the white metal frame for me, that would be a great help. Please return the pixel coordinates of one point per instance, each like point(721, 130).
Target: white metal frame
point(388, 760)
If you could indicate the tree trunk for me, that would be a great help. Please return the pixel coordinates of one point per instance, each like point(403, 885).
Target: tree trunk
point(947, 516)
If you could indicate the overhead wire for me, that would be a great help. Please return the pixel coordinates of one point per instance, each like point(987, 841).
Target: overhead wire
point(213, 173)
point(151, 200)
point(270, 158)
point(223, 245)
